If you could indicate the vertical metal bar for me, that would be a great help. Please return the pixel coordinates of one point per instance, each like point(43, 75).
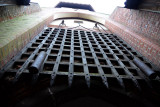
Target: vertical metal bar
point(99, 40)
point(10, 63)
point(120, 62)
point(140, 73)
point(71, 66)
point(85, 67)
point(142, 66)
point(19, 72)
point(104, 79)
point(35, 77)
point(55, 69)
point(108, 61)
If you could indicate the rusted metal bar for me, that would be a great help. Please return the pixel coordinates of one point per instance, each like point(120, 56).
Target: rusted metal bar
point(36, 66)
point(125, 69)
point(149, 72)
point(84, 60)
point(49, 46)
point(19, 72)
point(71, 62)
point(92, 56)
point(126, 57)
point(56, 66)
point(108, 61)
point(100, 70)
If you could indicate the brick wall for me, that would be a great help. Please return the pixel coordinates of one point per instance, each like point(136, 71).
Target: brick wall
point(144, 22)
point(27, 27)
point(12, 11)
point(141, 29)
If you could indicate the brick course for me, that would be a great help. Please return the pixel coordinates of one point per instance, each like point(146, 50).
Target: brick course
point(145, 23)
point(9, 12)
point(14, 40)
point(138, 29)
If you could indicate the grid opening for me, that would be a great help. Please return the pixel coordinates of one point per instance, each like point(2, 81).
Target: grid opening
point(90, 61)
point(99, 55)
point(48, 67)
point(67, 47)
point(52, 58)
point(77, 60)
point(102, 62)
point(78, 68)
point(121, 71)
point(92, 69)
point(25, 56)
point(66, 53)
point(63, 68)
point(120, 57)
point(126, 63)
point(76, 48)
point(39, 41)
point(133, 72)
point(106, 51)
point(107, 70)
point(17, 65)
point(44, 45)
point(110, 56)
point(65, 59)
point(35, 45)
point(30, 50)
point(45, 34)
point(54, 52)
point(114, 63)
point(116, 51)
point(56, 46)
point(87, 49)
point(88, 54)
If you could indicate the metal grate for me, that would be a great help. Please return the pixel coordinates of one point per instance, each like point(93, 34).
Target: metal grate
point(75, 55)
